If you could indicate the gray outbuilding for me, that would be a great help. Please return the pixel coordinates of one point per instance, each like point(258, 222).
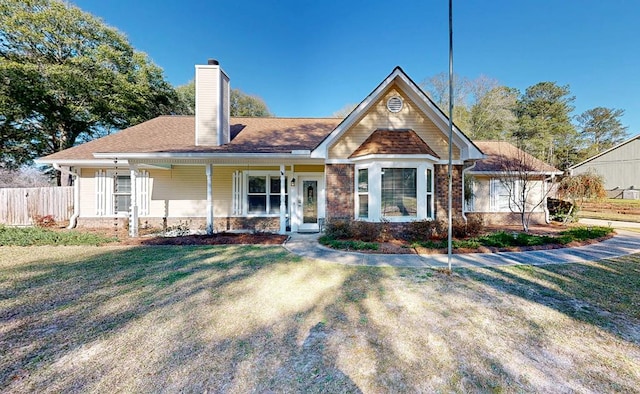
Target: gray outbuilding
point(619, 166)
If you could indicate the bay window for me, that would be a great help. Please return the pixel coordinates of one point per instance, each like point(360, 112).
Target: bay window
point(399, 192)
point(396, 191)
point(429, 193)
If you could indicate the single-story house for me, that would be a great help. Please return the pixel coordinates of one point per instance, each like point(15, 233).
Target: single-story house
point(387, 160)
point(618, 167)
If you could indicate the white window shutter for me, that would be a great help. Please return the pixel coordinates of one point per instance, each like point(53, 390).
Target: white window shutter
point(142, 188)
point(101, 193)
point(237, 199)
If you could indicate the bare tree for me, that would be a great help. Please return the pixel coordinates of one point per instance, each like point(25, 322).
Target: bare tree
point(526, 180)
point(23, 177)
point(344, 111)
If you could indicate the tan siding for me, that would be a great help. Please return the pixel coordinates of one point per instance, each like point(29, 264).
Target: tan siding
point(179, 192)
point(87, 187)
point(207, 93)
point(182, 191)
point(378, 117)
point(309, 168)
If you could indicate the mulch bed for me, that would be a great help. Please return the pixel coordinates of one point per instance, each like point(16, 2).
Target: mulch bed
point(215, 239)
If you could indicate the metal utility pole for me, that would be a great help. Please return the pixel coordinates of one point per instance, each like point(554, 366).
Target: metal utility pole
point(450, 173)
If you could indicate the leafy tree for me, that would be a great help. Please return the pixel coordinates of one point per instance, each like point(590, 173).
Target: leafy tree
point(186, 104)
point(601, 128)
point(240, 103)
point(493, 114)
point(67, 77)
point(544, 123)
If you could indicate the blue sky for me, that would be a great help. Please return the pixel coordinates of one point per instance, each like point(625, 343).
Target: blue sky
point(310, 58)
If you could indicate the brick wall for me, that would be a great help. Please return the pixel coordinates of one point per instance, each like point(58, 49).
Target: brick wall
point(442, 190)
point(259, 224)
point(339, 190)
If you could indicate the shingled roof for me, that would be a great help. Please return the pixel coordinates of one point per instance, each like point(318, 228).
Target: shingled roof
point(393, 142)
point(175, 134)
point(502, 156)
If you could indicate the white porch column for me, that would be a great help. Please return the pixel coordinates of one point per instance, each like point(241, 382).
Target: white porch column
point(133, 209)
point(209, 169)
point(283, 203)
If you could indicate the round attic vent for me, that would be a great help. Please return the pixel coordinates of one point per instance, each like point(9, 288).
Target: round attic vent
point(394, 104)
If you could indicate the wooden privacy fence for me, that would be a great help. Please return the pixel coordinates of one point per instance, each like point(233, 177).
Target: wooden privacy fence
point(19, 206)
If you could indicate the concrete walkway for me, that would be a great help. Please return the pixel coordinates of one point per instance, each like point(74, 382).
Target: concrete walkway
point(624, 243)
point(608, 223)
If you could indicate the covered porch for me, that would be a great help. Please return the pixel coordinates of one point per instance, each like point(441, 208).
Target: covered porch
point(221, 195)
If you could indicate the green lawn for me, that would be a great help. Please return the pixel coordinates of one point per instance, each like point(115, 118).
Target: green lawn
point(242, 318)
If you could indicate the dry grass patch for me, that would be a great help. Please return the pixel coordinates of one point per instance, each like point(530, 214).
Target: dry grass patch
point(242, 318)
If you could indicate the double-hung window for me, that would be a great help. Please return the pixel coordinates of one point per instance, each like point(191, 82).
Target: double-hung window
point(363, 193)
point(429, 193)
point(399, 192)
point(121, 193)
point(504, 194)
point(263, 194)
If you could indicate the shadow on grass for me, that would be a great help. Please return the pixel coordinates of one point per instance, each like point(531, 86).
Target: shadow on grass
point(604, 294)
point(241, 318)
point(54, 307)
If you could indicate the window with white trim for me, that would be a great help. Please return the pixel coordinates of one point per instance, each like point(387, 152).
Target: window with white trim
point(113, 192)
point(399, 192)
point(429, 193)
point(363, 193)
point(503, 192)
point(263, 194)
point(121, 193)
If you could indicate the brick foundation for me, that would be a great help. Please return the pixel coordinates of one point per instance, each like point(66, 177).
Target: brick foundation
point(255, 224)
point(509, 218)
point(442, 191)
point(339, 190)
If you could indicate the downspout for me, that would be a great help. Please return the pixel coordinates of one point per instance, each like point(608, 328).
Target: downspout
point(547, 215)
point(464, 172)
point(73, 221)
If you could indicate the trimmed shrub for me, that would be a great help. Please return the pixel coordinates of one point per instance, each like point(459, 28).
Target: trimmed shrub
point(366, 231)
point(559, 210)
point(338, 229)
point(420, 230)
point(475, 225)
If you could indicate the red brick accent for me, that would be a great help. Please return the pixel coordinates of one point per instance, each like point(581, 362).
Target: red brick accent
point(442, 190)
point(260, 224)
point(339, 190)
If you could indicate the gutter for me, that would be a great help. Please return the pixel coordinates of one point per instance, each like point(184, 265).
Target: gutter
point(73, 221)
point(464, 172)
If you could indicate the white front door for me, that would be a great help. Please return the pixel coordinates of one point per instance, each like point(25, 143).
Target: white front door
point(310, 195)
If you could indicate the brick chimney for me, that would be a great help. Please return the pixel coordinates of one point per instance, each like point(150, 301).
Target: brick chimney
point(212, 105)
